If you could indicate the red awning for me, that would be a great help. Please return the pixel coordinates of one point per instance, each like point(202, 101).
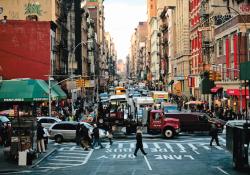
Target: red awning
point(215, 89)
point(236, 92)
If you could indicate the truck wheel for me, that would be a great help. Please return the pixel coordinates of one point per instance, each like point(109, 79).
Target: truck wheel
point(168, 133)
point(58, 139)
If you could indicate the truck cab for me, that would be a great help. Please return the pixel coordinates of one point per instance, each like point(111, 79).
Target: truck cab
point(157, 123)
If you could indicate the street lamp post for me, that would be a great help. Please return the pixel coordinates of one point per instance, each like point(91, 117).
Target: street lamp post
point(72, 92)
point(50, 87)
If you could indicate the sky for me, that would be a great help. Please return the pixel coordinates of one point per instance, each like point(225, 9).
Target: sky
point(121, 18)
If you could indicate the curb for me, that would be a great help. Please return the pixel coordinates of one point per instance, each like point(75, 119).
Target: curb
point(53, 150)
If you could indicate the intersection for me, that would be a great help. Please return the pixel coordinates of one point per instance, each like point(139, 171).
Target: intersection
point(189, 153)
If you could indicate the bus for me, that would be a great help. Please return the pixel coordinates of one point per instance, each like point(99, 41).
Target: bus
point(120, 90)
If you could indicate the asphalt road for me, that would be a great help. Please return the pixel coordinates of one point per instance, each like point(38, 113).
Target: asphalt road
point(185, 155)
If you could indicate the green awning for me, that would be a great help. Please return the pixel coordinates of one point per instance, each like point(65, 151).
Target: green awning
point(58, 90)
point(26, 90)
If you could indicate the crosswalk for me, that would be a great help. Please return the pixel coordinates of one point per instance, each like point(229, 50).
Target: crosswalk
point(70, 155)
point(67, 155)
point(168, 147)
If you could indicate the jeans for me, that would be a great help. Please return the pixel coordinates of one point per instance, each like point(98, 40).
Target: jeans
point(98, 142)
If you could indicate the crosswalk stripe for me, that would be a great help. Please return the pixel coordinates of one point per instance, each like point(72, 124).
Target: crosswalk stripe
point(132, 145)
point(219, 148)
point(181, 147)
point(169, 147)
point(120, 145)
point(205, 147)
point(70, 157)
point(66, 160)
point(63, 164)
point(156, 145)
point(71, 153)
point(192, 146)
point(145, 145)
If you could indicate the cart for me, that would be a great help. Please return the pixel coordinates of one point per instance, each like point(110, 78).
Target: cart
point(22, 140)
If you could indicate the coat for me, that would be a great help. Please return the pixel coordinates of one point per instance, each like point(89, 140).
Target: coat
point(139, 139)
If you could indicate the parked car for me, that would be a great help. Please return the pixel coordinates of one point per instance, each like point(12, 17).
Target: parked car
point(47, 121)
point(66, 131)
point(4, 119)
point(233, 123)
point(195, 121)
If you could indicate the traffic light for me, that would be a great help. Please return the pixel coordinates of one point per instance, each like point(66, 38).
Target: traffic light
point(218, 76)
point(212, 75)
point(83, 83)
point(80, 83)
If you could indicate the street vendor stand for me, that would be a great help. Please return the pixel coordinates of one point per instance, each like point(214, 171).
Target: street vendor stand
point(22, 144)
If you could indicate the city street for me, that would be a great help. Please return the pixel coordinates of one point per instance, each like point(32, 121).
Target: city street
point(187, 154)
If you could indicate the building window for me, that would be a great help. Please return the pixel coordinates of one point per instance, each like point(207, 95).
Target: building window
point(219, 47)
point(31, 18)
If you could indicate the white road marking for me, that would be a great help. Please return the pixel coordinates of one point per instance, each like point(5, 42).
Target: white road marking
point(219, 148)
point(221, 138)
point(132, 145)
point(169, 147)
point(181, 147)
point(63, 164)
point(120, 145)
point(205, 147)
point(72, 157)
point(223, 171)
point(149, 166)
point(157, 145)
point(72, 148)
point(88, 156)
point(145, 145)
point(192, 146)
point(72, 153)
point(66, 160)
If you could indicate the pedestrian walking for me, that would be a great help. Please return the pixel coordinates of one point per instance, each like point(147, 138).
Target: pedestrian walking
point(214, 135)
point(139, 144)
point(96, 137)
point(46, 138)
point(110, 136)
point(78, 136)
point(40, 140)
point(85, 139)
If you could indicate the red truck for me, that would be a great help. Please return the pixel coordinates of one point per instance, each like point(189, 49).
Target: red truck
point(156, 123)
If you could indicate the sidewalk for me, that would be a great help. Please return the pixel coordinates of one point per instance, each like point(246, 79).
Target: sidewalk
point(8, 166)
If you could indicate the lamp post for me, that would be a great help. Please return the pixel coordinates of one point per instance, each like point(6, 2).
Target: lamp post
point(51, 87)
point(72, 92)
point(247, 42)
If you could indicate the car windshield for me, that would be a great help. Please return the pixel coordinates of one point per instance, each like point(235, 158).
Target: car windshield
point(4, 119)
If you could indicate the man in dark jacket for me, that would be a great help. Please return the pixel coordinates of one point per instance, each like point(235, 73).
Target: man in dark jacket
point(214, 135)
point(78, 136)
point(139, 144)
point(40, 140)
point(85, 139)
point(96, 137)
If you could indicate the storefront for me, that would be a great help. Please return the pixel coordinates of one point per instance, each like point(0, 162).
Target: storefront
point(237, 98)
